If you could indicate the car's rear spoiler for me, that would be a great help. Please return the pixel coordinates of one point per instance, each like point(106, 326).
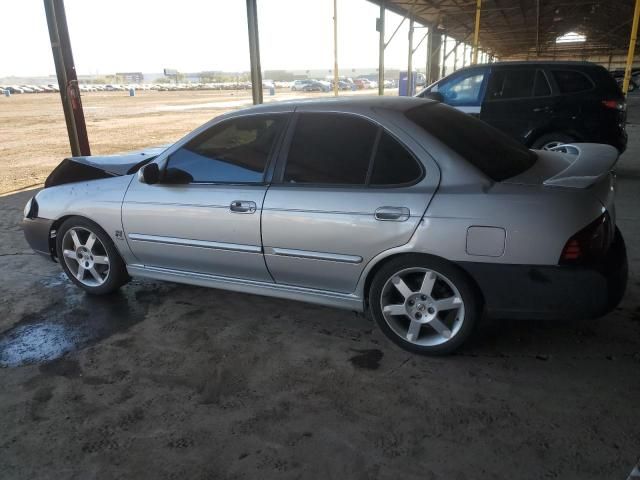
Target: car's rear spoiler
point(588, 163)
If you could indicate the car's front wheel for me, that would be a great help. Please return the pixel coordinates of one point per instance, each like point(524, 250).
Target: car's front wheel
point(424, 304)
point(89, 257)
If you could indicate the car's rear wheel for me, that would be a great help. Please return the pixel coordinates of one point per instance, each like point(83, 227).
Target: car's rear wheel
point(424, 304)
point(552, 140)
point(89, 257)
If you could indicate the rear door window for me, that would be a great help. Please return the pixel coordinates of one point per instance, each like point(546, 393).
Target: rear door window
point(541, 87)
point(393, 164)
point(572, 81)
point(517, 83)
point(330, 149)
point(343, 149)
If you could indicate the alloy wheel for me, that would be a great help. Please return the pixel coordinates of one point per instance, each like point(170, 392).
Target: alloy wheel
point(552, 145)
point(85, 256)
point(422, 306)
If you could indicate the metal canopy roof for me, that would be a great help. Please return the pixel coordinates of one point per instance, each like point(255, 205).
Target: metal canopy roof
point(511, 28)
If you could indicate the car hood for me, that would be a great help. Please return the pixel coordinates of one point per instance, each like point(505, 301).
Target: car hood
point(77, 169)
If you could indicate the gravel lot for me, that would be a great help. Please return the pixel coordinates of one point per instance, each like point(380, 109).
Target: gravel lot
point(169, 381)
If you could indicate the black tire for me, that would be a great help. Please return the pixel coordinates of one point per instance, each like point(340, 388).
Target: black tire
point(550, 138)
point(117, 272)
point(467, 289)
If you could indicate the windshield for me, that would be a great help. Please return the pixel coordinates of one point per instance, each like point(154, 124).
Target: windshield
point(489, 150)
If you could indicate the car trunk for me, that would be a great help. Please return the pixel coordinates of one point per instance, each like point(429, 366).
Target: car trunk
point(579, 166)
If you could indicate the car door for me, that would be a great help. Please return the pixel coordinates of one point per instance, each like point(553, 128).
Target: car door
point(463, 90)
point(518, 101)
point(204, 214)
point(348, 189)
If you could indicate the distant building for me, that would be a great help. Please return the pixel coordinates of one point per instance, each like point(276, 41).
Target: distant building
point(130, 77)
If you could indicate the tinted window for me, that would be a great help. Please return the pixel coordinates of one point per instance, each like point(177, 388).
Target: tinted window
point(541, 88)
point(517, 83)
point(331, 149)
point(571, 81)
point(393, 164)
point(462, 90)
point(235, 151)
point(512, 83)
point(492, 152)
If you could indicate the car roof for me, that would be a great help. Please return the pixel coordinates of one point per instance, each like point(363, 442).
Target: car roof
point(345, 104)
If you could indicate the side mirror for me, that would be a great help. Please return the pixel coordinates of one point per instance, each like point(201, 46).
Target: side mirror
point(149, 174)
point(437, 96)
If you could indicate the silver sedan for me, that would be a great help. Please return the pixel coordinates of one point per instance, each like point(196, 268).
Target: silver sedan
point(421, 216)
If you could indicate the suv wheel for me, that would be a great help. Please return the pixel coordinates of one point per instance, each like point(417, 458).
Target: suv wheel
point(89, 257)
point(423, 304)
point(551, 140)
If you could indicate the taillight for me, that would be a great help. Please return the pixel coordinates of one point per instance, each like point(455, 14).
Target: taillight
point(615, 105)
point(590, 243)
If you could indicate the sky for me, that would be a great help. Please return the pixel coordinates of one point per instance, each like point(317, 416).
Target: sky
point(200, 35)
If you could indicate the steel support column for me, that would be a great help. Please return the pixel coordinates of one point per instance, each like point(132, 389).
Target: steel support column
point(632, 48)
point(410, 84)
point(476, 32)
point(381, 47)
point(67, 78)
point(434, 57)
point(335, 47)
point(455, 57)
point(443, 73)
point(254, 52)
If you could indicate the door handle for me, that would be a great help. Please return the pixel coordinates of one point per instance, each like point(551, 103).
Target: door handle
point(543, 109)
point(242, 206)
point(392, 214)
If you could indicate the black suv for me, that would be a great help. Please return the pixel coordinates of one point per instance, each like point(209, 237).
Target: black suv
point(541, 104)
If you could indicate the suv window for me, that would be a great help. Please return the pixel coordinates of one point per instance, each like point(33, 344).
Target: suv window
point(572, 81)
point(463, 89)
point(235, 151)
point(492, 152)
point(393, 164)
point(541, 87)
point(330, 149)
point(517, 83)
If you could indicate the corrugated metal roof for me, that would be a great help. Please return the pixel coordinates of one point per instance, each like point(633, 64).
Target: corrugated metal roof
point(511, 28)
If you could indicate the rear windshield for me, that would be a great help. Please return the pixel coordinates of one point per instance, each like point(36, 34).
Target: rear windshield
point(489, 150)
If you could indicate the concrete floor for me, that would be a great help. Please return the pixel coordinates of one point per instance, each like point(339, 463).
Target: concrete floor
point(169, 381)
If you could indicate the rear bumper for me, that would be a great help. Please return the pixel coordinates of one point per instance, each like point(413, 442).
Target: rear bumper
point(553, 292)
point(36, 232)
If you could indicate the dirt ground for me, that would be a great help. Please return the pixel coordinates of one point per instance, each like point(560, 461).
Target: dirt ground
point(173, 382)
point(33, 135)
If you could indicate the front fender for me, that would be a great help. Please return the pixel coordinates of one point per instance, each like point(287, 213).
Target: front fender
point(97, 200)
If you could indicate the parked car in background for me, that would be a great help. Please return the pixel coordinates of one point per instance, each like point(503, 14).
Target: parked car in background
point(541, 104)
point(361, 83)
point(316, 86)
point(401, 207)
point(300, 84)
point(634, 80)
